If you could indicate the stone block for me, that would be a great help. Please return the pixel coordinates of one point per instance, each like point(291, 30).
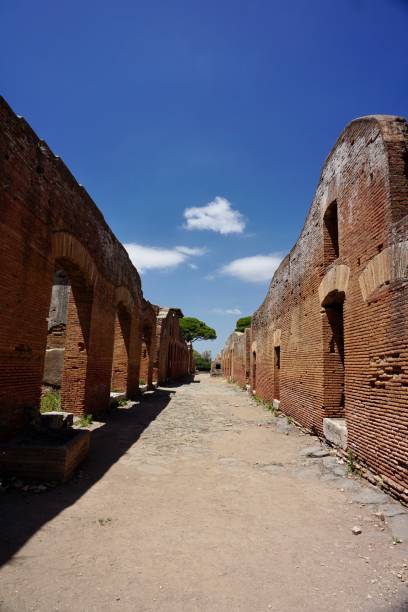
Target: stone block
point(49, 460)
point(335, 431)
point(53, 366)
point(57, 420)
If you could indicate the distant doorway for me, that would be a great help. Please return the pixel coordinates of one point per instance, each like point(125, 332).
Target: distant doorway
point(333, 355)
point(276, 373)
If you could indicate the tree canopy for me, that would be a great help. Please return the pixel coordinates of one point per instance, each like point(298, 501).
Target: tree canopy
point(202, 361)
point(243, 323)
point(194, 329)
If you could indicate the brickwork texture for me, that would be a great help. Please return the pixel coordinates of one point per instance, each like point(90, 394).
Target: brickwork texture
point(66, 283)
point(331, 337)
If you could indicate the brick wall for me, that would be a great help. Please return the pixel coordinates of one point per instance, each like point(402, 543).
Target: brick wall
point(235, 358)
point(173, 357)
point(148, 335)
point(48, 223)
point(331, 337)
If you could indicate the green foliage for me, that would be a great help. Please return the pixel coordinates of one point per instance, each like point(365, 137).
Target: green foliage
point(350, 461)
point(243, 323)
point(202, 361)
point(267, 405)
point(51, 401)
point(122, 401)
point(142, 381)
point(85, 420)
point(194, 329)
point(289, 419)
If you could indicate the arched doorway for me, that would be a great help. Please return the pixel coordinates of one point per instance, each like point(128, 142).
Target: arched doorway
point(67, 349)
point(254, 371)
point(121, 346)
point(333, 355)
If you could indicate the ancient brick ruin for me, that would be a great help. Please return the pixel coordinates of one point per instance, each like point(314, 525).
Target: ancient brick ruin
point(329, 344)
point(71, 298)
point(216, 366)
point(172, 356)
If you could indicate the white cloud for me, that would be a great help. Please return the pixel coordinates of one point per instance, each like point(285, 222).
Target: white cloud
point(258, 268)
point(227, 311)
point(156, 258)
point(193, 266)
point(218, 216)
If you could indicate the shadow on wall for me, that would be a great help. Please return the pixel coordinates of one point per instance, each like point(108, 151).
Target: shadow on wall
point(23, 514)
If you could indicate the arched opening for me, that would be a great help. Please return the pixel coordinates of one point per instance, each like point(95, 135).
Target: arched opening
point(276, 372)
point(66, 360)
point(331, 234)
point(120, 360)
point(144, 364)
point(169, 365)
point(333, 355)
point(146, 357)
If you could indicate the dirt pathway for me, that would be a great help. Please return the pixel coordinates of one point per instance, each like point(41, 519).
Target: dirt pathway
point(199, 500)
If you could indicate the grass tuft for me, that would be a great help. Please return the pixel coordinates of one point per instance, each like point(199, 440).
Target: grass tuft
point(85, 420)
point(350, 462)
point(51, 401)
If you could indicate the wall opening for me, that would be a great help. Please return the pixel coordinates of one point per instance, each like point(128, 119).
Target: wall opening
point(146, 363)
point(254, 371)
point(169, 371)
point(276, 372)
point(56, 335)
point(333, 355)
point(120, 362)
point(331, 234)
point(66, 360)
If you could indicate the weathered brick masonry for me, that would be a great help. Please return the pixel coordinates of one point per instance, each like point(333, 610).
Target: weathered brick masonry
point(235, 358)
point(173, 357)
point(51, 229)
point(330, 340)
point(148, 334)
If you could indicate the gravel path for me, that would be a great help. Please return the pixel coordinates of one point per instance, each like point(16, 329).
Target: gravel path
point(197, 499)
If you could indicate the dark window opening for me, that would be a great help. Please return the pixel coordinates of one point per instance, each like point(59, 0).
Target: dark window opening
point(277, 357)
point(333, 358)
point(276, 377)
point(331, 234)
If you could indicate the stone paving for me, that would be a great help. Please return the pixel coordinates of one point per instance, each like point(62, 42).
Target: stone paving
point(197, 499)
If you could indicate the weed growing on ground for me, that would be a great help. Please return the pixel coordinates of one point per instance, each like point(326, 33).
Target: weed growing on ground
point(122, 401)
point(266, 405)
point(51, 401)
point(272, 409)
point(289, 419)
point(85, 420)
point(142, 381)
point(350, 462)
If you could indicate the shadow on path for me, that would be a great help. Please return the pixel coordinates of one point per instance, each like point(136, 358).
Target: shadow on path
point(23, 514)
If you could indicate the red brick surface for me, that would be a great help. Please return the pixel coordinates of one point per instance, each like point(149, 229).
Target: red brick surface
point(362, 283)
point(48, 223)
point(173, 358)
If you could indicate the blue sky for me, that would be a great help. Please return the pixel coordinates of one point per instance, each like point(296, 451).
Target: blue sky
point(228, 107)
